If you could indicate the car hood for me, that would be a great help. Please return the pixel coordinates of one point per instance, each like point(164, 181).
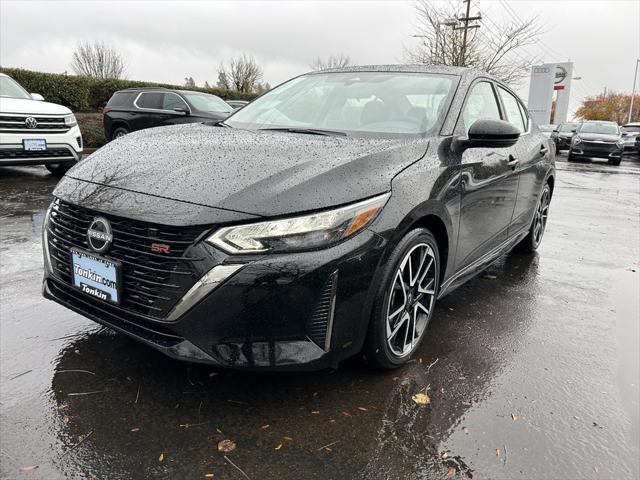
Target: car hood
point(31, 107)
point(255, 172)
point(599, 137)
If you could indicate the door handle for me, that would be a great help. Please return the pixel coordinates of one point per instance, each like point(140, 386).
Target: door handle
point(512, 162)
point(543, 150)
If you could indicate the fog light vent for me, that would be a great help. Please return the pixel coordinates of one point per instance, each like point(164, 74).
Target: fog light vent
point(320, 324)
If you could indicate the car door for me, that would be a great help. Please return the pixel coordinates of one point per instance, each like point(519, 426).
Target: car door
point(488, 183)
point(169, 115)
point(148, 110)
point(530, 151)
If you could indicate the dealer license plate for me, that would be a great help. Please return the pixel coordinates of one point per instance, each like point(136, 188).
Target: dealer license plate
point(96, 276)
point(34, 144)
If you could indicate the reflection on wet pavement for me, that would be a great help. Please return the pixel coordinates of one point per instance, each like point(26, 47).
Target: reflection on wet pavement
point(531, 370)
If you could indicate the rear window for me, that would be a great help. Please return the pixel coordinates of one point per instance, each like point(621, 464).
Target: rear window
point(121, 99)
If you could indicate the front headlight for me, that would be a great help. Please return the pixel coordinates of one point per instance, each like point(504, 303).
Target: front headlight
point(70, 120)
point(576, 140)
point(620, 144)
point(308, 232)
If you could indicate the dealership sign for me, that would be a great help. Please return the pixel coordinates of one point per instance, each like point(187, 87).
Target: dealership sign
point(545, 79)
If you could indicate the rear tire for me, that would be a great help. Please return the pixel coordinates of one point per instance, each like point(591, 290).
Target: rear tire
point(405, 301)
point(119, 132)
point(59, 169)
point(532, 241)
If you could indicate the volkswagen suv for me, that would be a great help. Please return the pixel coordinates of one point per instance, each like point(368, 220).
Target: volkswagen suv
point(35, 132)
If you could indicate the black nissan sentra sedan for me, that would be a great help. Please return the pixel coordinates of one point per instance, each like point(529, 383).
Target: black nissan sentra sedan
point(322, 220)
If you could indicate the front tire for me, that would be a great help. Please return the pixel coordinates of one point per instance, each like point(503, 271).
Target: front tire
point(59, 169)
point(532, 241)
point(405, 301)
point(615, 161)
point(570, 157)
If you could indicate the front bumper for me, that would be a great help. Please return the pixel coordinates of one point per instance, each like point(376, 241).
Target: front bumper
point(61, 147)
point(596, 150)
point(299, 311)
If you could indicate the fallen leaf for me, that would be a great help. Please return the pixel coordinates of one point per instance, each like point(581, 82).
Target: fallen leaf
point(451, 472)
point(264, 426)
point(279, 446)
point(364, 409)
point(208, 475)
point(136, 429)
point(211, 375)
point(288, 438)
point(346, 414)
point(421, 398)
point(465, 430)
point(445, 454)
point(514, 417)
point(315, 412)
point(219, 431)
point(30, 468)
point(226, 446)
point(161, 457)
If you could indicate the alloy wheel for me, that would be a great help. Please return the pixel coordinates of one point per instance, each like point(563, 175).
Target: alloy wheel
point(411, 299)
point(542, 212)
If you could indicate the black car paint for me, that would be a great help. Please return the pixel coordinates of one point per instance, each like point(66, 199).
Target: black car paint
point(134, 118)
point(259, 317)
point(596, 145)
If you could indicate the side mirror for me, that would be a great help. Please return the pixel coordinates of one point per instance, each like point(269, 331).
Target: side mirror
point(37, 96)
point(574, 130)
point(182, 110)
point(488, 134)
point(556, 131)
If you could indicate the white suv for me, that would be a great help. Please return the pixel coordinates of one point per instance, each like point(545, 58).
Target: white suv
point(34, 132)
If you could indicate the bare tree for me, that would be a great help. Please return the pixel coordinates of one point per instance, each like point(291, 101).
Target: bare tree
point(490, 47)
point(97, 60)
point(242, 74)
point(333, 61)
point(189, 82)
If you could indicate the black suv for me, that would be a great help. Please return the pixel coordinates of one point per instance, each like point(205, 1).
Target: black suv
point(138, 108)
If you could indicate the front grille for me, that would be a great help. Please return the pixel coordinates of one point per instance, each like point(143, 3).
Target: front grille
point(17, 124)
point(20, 154)
point(151, 282)
point(598, 147)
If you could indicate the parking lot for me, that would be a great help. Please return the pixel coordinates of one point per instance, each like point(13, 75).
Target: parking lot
point(531, 368)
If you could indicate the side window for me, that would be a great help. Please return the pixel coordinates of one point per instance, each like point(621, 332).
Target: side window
point(171, 101)
point(512, 109)
point(481, 103)
point(150, 100)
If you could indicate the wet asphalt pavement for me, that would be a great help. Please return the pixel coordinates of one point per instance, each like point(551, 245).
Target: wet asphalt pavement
point(532, 370)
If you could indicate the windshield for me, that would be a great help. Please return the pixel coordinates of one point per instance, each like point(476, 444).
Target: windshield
point(208, 103)
point(547, 128)
point(603, 128)
point(351, 102)
point(631, 129)
point(10, 88)
point(568, 127)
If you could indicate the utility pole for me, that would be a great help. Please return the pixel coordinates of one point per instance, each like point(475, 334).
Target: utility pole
point(466, 19)
point(633, 92)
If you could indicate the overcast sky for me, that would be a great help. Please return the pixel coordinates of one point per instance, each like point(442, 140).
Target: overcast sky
point(166, 41)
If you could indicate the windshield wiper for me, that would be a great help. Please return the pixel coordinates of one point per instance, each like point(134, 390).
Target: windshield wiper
point(310, 131)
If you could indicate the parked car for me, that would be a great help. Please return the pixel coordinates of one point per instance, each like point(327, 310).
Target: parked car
point(237, 103)
point(562, 135)
point(598, 139)
point(35, 132)
point(638, 144)
point(323, 219)
point(138, 108)
point(630, 133)
point(548, 129)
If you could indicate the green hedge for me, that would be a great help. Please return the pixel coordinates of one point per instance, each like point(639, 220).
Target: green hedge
point(84, 94)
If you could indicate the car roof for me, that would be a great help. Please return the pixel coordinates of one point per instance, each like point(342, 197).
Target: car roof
point(632, 124)
point(3, 75)
point(413, 68)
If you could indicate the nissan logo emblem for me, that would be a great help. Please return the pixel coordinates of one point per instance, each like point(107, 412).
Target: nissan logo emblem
point(99, 235)
point(31, 122)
